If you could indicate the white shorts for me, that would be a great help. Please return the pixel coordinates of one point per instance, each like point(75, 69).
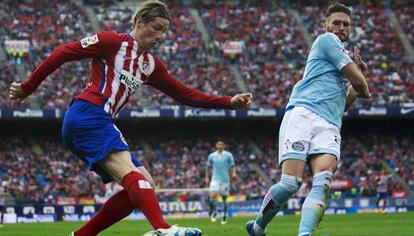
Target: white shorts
point(303, 133)
point(220, 187)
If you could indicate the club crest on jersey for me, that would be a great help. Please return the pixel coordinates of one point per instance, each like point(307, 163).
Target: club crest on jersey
point(88, 41)
point(129, 80)
point(298, 146)
point(145, 67)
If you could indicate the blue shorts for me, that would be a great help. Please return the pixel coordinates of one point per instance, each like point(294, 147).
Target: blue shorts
point(91, 134)
point(382, 195)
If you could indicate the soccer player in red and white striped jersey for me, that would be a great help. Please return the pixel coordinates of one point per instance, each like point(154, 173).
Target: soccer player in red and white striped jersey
point(121, 64)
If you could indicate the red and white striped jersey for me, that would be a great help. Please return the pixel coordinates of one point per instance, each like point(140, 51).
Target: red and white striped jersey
point(382, 183)
point(118, 70)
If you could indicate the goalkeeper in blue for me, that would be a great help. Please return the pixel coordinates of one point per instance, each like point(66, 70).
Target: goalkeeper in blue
point(310, 130)
point(221, 162)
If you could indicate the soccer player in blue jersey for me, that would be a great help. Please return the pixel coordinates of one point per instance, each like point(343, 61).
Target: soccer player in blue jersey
point(310, 130)
point(221, 162)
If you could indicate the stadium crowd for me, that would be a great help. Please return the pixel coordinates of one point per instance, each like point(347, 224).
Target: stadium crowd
point(275, 47)
point(44, 171)
point(46, 28)
point(272, 61)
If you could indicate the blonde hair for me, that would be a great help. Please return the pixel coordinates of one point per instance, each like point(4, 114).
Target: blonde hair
point(149, 10)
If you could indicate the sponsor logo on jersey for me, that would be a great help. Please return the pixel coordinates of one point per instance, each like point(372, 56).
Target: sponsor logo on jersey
point(88, 41)
point(129, 80)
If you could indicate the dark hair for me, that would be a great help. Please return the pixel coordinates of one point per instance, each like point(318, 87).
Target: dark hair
point(149, 10)
point(338, 7)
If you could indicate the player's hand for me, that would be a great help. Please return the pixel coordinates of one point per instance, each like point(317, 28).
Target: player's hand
point(361, 64)
point(16, 92)
point(367, 94)
point(206, 180)
point(243, 100)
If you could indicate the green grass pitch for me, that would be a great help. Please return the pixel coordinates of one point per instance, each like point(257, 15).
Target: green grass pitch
point(401, 224)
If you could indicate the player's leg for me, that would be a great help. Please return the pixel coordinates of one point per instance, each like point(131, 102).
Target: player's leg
point(384, 202)
point(323, 167)
point(277, 196)
point(378, 200)
point(224, 192)
point(324, 153)
point(140, 191)
point(381, 196)
point(120, 205)
point(225, 209)
point(212, 199)
point(115, 209)
point(294, 137)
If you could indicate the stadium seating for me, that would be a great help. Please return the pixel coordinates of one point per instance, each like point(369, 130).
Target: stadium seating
point(179, 161)
point(272, 63)
point(274, 57)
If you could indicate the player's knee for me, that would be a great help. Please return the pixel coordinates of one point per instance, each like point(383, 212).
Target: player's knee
point(323, 163)
point(290, 183)
point(323, 179)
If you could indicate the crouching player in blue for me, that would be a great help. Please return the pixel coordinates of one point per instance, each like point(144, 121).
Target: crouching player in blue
point(310, 130)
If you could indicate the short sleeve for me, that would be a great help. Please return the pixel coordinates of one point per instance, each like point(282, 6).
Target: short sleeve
point(231, 159)
point(331, 49)
point(210, 161)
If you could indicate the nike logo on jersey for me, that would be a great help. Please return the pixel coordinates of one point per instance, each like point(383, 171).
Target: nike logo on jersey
point(127, 58)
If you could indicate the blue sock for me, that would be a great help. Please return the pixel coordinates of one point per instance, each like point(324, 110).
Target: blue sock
point(315, 203)
point(212, 203)
point(275, 199)
point(225, 208)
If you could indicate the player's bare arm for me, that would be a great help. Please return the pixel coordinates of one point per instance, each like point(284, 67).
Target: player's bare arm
point(358, 60)
point(350, 99)
point(207, 179)
point(233, 173)
point(352, 93)
point(357, 79)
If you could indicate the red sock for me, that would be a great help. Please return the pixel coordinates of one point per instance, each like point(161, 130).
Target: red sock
point(143, 197)
point(115, 209)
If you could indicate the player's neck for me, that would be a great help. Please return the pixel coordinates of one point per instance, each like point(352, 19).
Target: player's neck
point(134, 37)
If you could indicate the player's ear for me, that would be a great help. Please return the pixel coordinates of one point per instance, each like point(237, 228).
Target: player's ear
point(139, 22)
point(325, 24)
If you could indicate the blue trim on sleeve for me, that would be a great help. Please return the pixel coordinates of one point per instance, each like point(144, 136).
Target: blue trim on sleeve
point(102, 78)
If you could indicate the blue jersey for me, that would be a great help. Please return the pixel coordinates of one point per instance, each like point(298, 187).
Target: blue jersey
point(324, 88)
point(221, 164)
